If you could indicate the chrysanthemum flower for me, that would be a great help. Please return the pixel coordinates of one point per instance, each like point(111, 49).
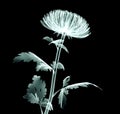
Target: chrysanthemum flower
point(66, 23)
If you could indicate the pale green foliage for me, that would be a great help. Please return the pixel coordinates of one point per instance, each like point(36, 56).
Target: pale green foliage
point(49, 106)
point(59, 43)
point(45, 102)
point(43, 67)
point(66, 81)
point(47, 38)
point(66, 23)
point(60, 66)
point(63, 47)
point(64, 91)
point(36, 91)
point(62, 97)
point(56, 42)
point(27, 57)
point(82, 84)
point(32, 98)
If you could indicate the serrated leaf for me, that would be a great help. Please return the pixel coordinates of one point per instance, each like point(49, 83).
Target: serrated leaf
point(44, 102)
point(60, 66)
point(36, 90)
point(47, 38)
point(32, 98)
point(66, 81)
point(43, 67)
point(62, 97)
point(82, 84)
point(59, 43)
point(27, 57)
point(64, 91)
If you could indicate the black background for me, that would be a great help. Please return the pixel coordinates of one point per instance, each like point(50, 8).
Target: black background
point(87, 59)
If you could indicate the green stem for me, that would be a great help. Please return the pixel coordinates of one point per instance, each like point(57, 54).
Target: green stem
point(54, 73)
point(56, 92)
point(41, 109)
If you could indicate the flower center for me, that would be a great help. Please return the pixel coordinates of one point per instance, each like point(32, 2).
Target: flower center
point(64, 31)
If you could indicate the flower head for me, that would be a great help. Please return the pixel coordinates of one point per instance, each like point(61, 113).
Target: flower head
point(66, 23)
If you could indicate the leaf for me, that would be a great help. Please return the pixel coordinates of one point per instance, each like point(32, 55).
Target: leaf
point(60, 66)
point(47, 38)
point(44, 102)
point(32, 98)
point(27, 57)
point(63, 47)
point(49, 106)
point(36, 90)
point(82, 84)
point(62, 97)
point(66, 81)
point(64, 91)
point(43, 67)
point(56, 42)
point(59, 43)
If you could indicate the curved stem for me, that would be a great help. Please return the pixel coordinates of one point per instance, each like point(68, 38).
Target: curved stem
point(54, 73)
point(41, 109)
point(56, 92)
